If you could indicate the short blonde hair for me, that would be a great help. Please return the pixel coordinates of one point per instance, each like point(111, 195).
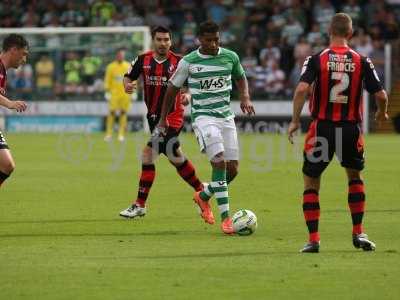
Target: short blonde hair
point(341, 25)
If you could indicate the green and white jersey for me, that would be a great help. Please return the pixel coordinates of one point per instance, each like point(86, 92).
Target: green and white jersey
point(210, 81)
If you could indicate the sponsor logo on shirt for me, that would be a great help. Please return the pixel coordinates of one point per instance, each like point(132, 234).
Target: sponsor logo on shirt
point(156, 80)
point(213, 84)
point(171, 69)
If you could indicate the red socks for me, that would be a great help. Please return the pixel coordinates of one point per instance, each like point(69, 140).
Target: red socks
point(188, 173)
point(311, 213)
point(145, 183)
point(356, 202)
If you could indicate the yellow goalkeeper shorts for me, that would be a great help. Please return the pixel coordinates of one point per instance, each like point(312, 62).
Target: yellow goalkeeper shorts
point(120, 103)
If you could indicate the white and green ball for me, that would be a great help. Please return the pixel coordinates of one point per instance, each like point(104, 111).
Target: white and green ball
point(244, 222)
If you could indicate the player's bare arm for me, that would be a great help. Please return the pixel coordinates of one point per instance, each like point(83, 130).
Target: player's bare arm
point(168, 102)
point(381, 99)
point(299, 99)
point(129, 85)
point(185, 96)
point(18, 105)
point(245, 103)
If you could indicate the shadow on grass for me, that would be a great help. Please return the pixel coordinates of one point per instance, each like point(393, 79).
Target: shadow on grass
point(120, 220)
point(200, 255)
point(136, 231)
point(270, 252)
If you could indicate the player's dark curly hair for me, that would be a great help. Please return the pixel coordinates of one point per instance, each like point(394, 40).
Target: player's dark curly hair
point(160, 29)
point(14, 40)
point(208, 27)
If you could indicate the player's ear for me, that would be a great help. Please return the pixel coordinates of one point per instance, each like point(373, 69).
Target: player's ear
point(350, 35)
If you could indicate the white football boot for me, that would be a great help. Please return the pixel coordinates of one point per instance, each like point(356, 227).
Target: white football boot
point(133, 212)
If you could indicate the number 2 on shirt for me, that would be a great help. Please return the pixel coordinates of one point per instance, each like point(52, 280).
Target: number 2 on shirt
point(341, 85)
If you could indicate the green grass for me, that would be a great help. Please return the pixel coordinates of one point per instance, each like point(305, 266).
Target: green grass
point(61, 237)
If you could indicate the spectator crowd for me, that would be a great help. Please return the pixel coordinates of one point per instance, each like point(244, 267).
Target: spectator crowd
point(272, 37)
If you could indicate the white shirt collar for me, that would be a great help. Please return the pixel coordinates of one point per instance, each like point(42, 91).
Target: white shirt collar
point(207, 56)
point(160, 61)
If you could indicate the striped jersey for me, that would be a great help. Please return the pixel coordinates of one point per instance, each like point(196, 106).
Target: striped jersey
point(3, 79)
point(155, 75)
point(338, 75)
point(209, 79)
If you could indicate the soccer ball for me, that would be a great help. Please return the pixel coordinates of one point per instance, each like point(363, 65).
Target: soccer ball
point(244, 222)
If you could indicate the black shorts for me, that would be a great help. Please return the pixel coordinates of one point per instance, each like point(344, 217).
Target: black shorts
point(3, 143)
point(325, 138)
point(168, 144)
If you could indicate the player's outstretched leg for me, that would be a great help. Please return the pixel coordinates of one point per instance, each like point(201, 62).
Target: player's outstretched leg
point(147, 176)
point(186, 170)
point(219, 188)
point(231, 170)
point(138, 208)
point(7, 164)
point(201, 198)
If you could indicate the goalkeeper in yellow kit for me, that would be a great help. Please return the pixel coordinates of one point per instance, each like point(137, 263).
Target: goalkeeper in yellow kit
point(119, 101)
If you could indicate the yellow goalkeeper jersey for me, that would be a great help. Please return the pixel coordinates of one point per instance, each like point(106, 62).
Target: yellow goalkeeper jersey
point(114, 76)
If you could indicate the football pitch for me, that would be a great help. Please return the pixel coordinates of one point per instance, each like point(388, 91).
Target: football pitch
point(61, 236)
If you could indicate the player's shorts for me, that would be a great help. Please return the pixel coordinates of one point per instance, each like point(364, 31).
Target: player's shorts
point(3, 143)
point(120, 103)
point(217, 135)
point(325, 138)
point(167, 145)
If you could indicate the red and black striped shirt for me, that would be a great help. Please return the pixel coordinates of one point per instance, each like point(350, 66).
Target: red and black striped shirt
point(155, 75)
point(339, 75)
point(3, 78)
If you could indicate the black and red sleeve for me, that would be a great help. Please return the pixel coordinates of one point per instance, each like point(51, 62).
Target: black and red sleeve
point(309, 70)
point(136, 68)
point(371, 79)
